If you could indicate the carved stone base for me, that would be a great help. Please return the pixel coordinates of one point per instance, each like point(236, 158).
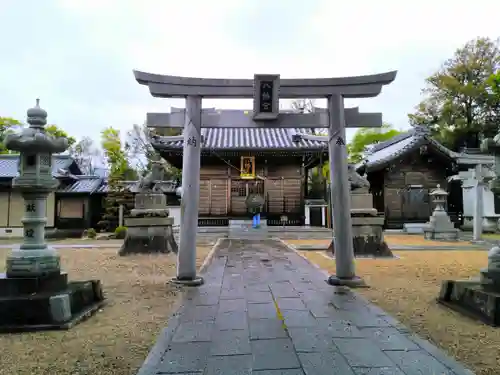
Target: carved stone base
point(26, 263)
point(46, 302)
point(353, 282)
point(149, 235)
point(451, 235)
point(368, 238)
point(469, 298)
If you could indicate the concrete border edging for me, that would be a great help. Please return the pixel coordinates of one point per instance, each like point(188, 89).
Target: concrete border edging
point(210, 255)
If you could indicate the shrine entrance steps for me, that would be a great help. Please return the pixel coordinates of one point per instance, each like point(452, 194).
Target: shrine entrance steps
point(266, 310)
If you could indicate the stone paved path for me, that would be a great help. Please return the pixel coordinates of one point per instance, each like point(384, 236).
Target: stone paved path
point(264, 310)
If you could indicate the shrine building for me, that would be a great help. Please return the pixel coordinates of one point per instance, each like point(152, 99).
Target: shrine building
point(236, 162)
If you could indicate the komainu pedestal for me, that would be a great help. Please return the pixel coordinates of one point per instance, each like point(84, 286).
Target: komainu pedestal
point(149, 229)
point(367, 226)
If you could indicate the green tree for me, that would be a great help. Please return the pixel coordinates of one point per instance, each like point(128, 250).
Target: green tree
point(365, 137)
point(116, 155)
point(458, 104)
point(58, 132)
point(7, 124)
point(120, 171)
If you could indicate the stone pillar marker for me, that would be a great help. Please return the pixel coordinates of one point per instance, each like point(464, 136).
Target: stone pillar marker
point(478, 203)
point(34, 293)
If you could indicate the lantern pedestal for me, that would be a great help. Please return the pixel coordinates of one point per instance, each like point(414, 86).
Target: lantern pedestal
point(34, 293)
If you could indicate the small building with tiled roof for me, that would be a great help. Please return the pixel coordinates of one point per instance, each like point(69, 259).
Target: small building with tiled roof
point(238, 161)
point(404, 169)
point(75, 205)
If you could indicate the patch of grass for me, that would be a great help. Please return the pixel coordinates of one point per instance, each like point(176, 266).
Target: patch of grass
point(491, 236)
point(407, 288)
point(117, 339)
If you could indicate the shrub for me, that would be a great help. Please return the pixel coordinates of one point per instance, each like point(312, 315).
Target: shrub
point(91, 233)
point(120, 232)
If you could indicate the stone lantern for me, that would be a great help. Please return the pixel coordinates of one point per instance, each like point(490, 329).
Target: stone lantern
point(440, 226)
point(34, 291)
point(35, 182)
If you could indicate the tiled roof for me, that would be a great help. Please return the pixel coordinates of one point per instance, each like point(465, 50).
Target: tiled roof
point(385, 152)
point(84, 184)
point(9, 163)
point(247, 138)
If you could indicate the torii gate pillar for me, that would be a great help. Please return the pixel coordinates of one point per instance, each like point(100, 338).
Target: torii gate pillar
point(186, 263)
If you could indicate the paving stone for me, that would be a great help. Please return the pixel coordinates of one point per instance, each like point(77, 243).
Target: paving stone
point(261, 329)
point(339, 329)
point(235, 293)
point(293, 371)
point(321, 309)
point(228, 305)
point(259, 286)
point(311, 339)
point(418, 363)
point(194, 331)
point(259, 297)
point(262, 310)
point(229, 365)
point(205, 299)
point(362, 353)
point(298, 318)
point(378, 371)
point(286, 290)
point(291, 304)
point(199, 313)
point(231, 342)
point(231, 320)
point(389, 339)
point(274, 354)
point(324, 363)
point(184, 357)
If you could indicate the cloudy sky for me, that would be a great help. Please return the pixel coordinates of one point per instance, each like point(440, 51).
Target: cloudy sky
point(78, 55)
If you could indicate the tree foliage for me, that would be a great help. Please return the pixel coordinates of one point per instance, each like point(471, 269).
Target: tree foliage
point(459, 106)
point(7, 124)
point(119, 172)
point(56, 131)
point(366, 137)
point(142, 153)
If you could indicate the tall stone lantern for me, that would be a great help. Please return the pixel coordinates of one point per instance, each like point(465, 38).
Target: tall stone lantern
point(35, 182)
point(34, 293)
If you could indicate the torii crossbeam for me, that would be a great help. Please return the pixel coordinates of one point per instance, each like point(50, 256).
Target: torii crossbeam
point(266, 89)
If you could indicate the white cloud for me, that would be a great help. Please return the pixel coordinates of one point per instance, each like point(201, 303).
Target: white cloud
point(83, 67)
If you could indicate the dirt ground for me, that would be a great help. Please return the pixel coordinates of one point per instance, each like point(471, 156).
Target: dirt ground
point(118, 338)
point(407, 289)
point(391, 240)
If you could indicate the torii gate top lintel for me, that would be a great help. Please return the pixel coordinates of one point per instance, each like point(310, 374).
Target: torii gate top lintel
point(349, 87)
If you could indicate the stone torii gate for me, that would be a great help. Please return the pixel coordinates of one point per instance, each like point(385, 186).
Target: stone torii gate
point(266, 89)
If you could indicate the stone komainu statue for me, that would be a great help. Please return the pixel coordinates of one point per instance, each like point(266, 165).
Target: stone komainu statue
point(356, 180)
